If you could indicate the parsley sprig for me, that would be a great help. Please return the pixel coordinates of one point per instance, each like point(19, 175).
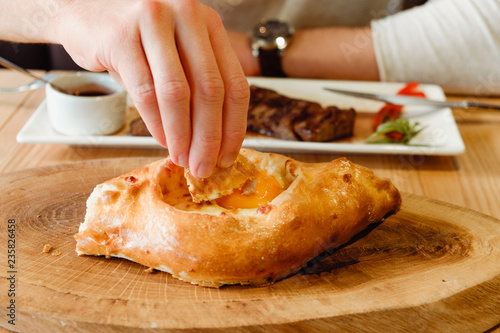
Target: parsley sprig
point(395, 131)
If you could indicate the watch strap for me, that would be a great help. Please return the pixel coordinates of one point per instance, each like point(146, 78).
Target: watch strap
point(270, 63)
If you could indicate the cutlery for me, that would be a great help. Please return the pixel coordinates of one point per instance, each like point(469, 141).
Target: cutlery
point(8, 64)
point(408, 100)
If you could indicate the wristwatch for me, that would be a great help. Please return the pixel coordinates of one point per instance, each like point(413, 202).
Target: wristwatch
point(269, 40)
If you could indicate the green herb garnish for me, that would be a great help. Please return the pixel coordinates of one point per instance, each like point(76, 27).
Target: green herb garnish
point(395, 131)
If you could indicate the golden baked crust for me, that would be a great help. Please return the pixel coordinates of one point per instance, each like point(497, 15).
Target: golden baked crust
point(148, 216)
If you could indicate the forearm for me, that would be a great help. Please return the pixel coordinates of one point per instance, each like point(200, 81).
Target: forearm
point(327, 53)
point(31, 21)
point(332, 53)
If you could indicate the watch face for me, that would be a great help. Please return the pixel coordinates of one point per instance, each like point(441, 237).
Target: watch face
point(272, 34)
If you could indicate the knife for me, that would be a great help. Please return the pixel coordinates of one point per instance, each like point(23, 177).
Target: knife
point(408, 100)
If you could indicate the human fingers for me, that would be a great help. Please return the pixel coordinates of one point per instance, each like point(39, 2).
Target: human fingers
point(138, 81)
point(207, 87)
point(236, 97)
point(116, 77)
point(171, 88)
point(125, 59)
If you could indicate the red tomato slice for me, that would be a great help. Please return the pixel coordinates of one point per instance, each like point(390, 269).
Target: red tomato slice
point(387, 113)
point(411, 89)
point(392, 112)
point(396, 136)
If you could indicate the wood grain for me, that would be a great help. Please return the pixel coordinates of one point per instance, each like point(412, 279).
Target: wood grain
point(431, 267)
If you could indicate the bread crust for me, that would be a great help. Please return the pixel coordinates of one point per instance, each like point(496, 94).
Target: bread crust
point(148, 216)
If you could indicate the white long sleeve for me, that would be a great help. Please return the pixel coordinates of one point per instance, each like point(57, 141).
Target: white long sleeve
point(453, 43)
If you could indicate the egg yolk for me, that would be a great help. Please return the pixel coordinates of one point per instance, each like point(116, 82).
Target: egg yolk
point(266, 189)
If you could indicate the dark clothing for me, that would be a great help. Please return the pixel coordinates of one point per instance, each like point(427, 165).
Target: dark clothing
point(38, 56)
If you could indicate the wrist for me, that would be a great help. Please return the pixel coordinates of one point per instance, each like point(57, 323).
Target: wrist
point(250, 63)
point(243, 50)
point(269, 41)
point(31, 22)
point(62, 19)
point(64, 22)
point(253, 66)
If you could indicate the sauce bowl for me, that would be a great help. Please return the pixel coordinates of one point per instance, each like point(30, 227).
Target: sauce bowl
point(95, 104)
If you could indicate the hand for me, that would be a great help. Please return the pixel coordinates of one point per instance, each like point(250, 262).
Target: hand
point(175, 60)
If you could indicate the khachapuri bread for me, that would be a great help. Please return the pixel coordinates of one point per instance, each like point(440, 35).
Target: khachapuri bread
point(254, 223)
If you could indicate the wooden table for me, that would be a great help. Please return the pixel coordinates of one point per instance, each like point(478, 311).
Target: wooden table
point(470, 180)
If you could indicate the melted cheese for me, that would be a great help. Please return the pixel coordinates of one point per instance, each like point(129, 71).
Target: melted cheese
point(266, 189)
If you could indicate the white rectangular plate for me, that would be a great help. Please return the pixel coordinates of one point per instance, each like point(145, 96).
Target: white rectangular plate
point(439, 137)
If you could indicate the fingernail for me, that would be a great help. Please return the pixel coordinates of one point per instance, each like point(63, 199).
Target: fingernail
point(183, 160)
point(226, 161)
point(204, 169)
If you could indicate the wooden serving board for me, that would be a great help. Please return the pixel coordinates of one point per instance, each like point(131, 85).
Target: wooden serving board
point(431, 267)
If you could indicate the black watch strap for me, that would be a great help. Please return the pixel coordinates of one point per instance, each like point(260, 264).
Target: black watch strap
point(270, 63)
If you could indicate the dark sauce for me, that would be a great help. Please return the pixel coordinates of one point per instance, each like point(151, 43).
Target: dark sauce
point(91, 90)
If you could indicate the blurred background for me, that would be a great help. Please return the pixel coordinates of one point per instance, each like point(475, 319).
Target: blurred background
point(38, 56)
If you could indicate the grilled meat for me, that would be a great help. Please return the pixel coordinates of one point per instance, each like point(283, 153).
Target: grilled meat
point(286, 118)
point(138, 128)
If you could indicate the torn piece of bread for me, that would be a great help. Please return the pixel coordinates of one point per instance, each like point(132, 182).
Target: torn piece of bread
point(222, 182)
point(295, 212)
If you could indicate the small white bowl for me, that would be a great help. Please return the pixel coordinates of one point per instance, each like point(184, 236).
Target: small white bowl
point(86, 115)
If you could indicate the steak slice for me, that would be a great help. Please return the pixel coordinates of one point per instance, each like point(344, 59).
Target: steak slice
point(272, 114)
point(138, 128)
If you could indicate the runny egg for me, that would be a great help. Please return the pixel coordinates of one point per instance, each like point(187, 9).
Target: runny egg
point(266, 189)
